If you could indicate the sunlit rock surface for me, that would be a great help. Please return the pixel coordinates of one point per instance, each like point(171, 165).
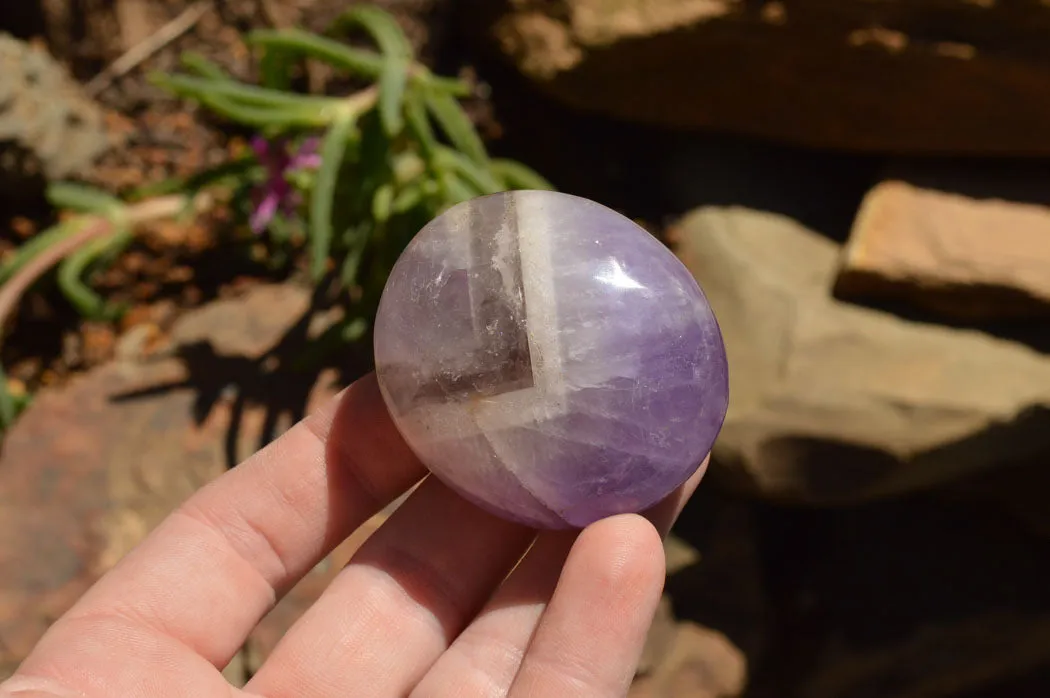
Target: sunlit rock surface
point(549, 359)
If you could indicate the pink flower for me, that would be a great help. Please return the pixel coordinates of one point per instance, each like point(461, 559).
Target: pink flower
point(276, 194)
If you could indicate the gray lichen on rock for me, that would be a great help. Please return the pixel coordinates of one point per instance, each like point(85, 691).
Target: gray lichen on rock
point(48, 126)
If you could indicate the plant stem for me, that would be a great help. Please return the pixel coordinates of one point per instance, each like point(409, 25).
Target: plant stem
point(95, 227)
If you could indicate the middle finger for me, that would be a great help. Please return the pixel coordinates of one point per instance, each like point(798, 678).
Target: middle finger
point(398, 604)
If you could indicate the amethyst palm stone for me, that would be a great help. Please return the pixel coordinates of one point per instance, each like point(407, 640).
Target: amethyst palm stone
point(549, 359)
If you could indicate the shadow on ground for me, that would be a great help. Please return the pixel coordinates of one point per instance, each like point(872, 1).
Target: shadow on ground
point(280, 379)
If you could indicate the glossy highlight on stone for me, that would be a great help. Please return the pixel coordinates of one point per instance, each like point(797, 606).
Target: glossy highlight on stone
point(549, 359)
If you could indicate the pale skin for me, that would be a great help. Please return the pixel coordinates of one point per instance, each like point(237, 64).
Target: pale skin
point(432, 605)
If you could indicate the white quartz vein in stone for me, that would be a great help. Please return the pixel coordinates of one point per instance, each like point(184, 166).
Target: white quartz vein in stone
point(503, 261)
point(536, 229)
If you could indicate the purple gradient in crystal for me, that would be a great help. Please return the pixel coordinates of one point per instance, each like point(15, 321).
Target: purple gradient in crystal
point(549, 359)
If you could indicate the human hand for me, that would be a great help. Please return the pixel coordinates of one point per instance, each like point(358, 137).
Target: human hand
point(424, 609)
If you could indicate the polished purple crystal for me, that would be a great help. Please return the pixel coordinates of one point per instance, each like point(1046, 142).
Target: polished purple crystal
point(549, 359)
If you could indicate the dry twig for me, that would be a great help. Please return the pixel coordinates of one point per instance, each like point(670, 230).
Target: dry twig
point(134, 56)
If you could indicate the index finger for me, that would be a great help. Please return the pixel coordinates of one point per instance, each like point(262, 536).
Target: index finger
point(217, 565)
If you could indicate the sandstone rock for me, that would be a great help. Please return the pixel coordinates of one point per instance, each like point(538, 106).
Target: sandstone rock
point(678, 554)
point(661, 636)
point(915, 76)
point(91, 468)
point(247, 325)
point(701, 663)
point(971, 244)
point(48, 126)
point(835, 403)
point(236, 671)
point(83, 480)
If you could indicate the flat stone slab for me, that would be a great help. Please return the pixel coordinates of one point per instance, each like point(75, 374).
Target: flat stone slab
point(92, 467)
